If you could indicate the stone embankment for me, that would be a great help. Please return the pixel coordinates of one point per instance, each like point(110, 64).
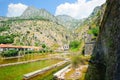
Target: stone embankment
point(60, 74)
point(12, 57)
point(41, 71)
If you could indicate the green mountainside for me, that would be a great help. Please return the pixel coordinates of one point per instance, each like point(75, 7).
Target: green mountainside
point(91, 24)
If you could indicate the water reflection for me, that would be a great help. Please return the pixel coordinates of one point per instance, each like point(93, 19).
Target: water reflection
point(23, 58)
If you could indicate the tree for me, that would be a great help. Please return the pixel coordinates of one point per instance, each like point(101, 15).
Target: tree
point(74, 44)
point(43, 46)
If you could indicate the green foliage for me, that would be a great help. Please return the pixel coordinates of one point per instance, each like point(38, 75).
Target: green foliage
point(75, 61)
point(51, 51)
point(43, 46)
point(37, 43)
point(10, 53)
point(29, 52)
point(7, 39)
point(4, 28)
point(94, 31)
point(74, 45)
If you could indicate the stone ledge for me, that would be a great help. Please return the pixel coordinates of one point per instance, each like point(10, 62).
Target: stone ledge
point(12, 57)
point(41, 71)
point(60, 74)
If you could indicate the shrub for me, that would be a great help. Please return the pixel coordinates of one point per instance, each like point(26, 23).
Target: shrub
point(51, 51)
point(74, 44)
point(79, 60)
point(75, 61)
point(4, 28)
point(43, 46)
point(7, 39)
point(10, 53)
point(94, 31)
point(29, 52)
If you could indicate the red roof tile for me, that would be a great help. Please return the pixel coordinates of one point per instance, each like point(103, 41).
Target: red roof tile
point(13, 46)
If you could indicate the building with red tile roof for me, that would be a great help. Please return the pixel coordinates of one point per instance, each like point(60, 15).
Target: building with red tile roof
point(4, 47)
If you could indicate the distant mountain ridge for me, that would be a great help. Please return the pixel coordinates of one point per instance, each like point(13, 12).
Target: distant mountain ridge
point(65, 20)
point(68, 21)
point(34, 13)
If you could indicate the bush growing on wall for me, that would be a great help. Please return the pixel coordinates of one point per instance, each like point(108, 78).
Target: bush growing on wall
point(94, 31)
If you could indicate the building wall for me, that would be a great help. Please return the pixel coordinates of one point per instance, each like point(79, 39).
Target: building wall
point(89, 48)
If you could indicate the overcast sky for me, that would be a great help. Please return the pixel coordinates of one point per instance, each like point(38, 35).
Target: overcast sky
point(74, 8)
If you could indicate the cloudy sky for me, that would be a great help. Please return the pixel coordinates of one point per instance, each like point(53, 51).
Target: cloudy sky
point(74, 8)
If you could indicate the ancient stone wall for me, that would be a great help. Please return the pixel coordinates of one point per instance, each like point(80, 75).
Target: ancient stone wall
point(89, 44)
point(105, 61)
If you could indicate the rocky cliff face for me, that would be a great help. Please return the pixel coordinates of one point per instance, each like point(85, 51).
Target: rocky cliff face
point(34, 13)
point(91, 23)
point(105, 61)
point(68, 21)
point(35, 32)
point(34, 27)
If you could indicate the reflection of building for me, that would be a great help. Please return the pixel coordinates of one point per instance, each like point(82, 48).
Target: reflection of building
point(66, 47)
point(62, 48)
point(4, 47)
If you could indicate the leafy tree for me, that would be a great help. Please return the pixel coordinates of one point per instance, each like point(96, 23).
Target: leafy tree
point(43, 46)
point(4, 28)
point(10, 53)
point(94, 31)
point(74, 44)
point(7, 39)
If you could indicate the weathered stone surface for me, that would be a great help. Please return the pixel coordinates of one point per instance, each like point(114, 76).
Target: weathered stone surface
point(89, 48)
point(60, 74)
point(89, 44)
point(106, 55)
point(41, 71)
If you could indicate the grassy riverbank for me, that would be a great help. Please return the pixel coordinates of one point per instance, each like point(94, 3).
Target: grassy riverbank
point(16, 72)
point(49, 74)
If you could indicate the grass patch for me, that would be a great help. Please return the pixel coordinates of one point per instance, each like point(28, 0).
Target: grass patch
point(79, 60)
point(16, 72)
point(49, 74)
